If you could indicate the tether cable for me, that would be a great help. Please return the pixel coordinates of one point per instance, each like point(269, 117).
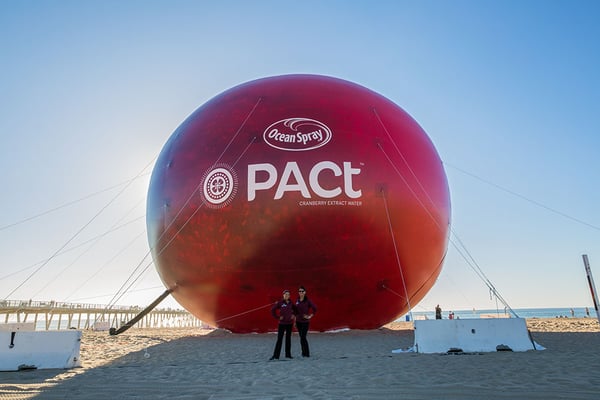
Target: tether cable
point(106, 264)
point(70, 203)
point(79, 231)
point(93, 243)
point(193, 192)
point(119, 296)
point(534, 202)
point(387, 213)
point(244, 313)
point(480, 274)
point(73, 247)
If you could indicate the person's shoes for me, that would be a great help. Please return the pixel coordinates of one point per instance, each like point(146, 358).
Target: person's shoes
point(273, 358)
point(289, 357)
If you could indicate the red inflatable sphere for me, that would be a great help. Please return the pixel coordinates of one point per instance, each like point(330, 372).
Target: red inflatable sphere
point(298, 180)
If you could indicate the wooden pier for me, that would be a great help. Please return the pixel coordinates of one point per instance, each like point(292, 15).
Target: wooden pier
point(50, 315)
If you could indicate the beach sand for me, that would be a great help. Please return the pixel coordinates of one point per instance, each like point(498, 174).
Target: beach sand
point(216, 364)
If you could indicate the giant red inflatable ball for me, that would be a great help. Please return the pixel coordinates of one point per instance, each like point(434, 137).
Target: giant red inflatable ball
point(298, 180)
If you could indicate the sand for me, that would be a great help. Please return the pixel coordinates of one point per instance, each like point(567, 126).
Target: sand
point(215, 364)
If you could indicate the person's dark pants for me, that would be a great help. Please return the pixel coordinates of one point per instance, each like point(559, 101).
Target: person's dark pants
point(281, 329)
point(303, 331)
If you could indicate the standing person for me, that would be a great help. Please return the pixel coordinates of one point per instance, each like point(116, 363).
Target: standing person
point(438, 312)
point(285, 316)
point(306, 310)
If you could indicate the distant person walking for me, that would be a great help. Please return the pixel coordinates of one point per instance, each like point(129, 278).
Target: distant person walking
point(306, 309)
point(438, 312)
point(285, 312)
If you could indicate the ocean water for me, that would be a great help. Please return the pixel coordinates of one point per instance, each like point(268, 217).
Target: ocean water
point(578, 312)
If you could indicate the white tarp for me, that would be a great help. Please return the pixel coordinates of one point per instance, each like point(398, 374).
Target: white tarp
point(472, 336)
point(39, 349)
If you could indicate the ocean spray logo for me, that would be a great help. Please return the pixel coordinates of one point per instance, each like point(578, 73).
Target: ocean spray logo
point(297, 134)
point(219, 186)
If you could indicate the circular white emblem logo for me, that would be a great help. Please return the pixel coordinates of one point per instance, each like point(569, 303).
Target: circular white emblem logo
point(219, 186)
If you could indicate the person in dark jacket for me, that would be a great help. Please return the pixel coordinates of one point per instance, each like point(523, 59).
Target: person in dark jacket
point(438, 312)
point(285, 312)
point(306, 309)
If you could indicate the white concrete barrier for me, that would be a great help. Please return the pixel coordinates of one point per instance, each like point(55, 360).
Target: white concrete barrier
point(472, 335)
point(39, 349)
point(101, 326)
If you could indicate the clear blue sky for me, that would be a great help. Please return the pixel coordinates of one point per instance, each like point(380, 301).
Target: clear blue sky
point(508, 91)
